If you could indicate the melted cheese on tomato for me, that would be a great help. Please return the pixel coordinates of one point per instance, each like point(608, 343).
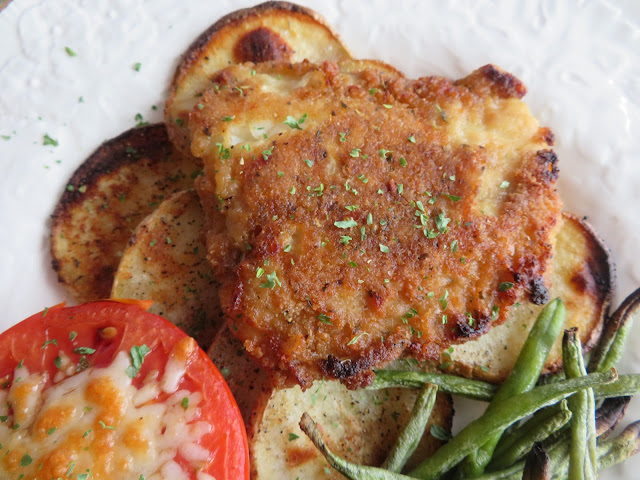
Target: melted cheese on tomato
point(97, 425)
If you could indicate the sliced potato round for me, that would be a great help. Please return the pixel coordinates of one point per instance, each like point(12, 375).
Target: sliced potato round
point(582, 277)
point(362, 424)
point(105, 199)
point(266, 32)
point(165, 262)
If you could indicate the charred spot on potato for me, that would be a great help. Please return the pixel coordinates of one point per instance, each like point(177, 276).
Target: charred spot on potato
point(261, 45)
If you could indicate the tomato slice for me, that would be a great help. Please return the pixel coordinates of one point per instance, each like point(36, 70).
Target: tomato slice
point(91, 337)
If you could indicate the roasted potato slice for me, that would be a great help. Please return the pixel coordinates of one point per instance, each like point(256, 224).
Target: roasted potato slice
point(105, 199)
point(362, 424)
point(165, 262)
point(582, 277)
point(266, 32)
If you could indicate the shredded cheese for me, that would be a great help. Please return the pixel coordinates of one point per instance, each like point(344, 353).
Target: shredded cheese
point(96, 422)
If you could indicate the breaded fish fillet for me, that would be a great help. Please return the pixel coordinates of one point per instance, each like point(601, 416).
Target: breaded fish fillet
point(366, 215)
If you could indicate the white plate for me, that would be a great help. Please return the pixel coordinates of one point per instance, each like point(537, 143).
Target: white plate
point(580, 61)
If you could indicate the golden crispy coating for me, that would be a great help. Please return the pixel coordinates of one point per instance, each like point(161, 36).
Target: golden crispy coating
point(366, 214)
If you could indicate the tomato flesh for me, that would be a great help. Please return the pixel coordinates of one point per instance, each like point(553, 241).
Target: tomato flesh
point(93, 334)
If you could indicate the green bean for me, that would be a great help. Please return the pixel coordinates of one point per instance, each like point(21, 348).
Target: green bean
point(582, 457)
point(534, 431)
point(614, 334)
point(523, 376)
point(520, 429)
point(609, 453)
point(537, 465)
point(617, 347)
point(484, 428)
point(621, 448)
point(609, 415)
point(411, 434)
point(350, 470)
point(474, 389)
point(615, 331)
point(626, 385)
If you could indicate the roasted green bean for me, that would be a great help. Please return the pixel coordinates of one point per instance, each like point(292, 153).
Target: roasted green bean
point(350, 470)
point(536, 430)
point(484, 428)
point(614, 334)
point(411, 434)
point(609, 453)
point(523, 377)
point(582, 457)
point(474, 389)
point(538, 464)
point(626, 385)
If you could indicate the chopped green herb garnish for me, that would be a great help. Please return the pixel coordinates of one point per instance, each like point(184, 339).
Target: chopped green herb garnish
point(346, 223)
point(441, 222)
point(504, 286)
point(355, 153)
point(504, 184)
point(383, 248)
point(293, 436)
point(107, 427)
point(70, 52)
point(356, 338)
point(266, 154)
point(403, 161)
point(47, 140)
point(441, 112)
point(272, 281)
point(309, 162)
point(185, 403)
point(443, 300)
point(137, 66)
point(136, 355)
point(84, 350)
point(324, 319)
point(293, 123)
point(50, 342)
